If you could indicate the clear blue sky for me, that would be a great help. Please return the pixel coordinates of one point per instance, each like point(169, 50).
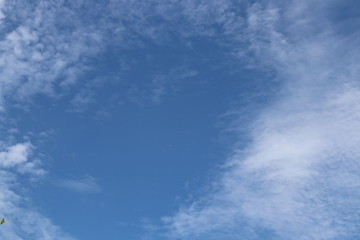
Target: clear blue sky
point(179, 120)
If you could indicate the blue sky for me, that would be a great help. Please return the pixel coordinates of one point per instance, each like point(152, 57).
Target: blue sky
point(179, 120)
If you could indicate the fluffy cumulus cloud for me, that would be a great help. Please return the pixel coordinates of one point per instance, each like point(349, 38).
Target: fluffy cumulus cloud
point(299, 176)
point(18, 156)
point(15, 155)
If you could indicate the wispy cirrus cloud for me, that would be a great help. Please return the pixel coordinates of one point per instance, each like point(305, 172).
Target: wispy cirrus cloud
point(298, 177)
point(25, 223)
point(37, 54)
point(40, 54)
point(163, 84)
point(86, 184)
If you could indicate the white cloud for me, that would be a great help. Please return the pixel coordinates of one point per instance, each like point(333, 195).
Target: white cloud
point(299, 176)
point(17, 157)
point(14, 155)
point(36, 55)
point(86, 184)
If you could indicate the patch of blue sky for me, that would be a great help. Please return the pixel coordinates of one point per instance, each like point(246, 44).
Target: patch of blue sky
point(145, 153)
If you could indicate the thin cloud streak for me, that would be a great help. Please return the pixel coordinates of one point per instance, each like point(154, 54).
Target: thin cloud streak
point(86, 184)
